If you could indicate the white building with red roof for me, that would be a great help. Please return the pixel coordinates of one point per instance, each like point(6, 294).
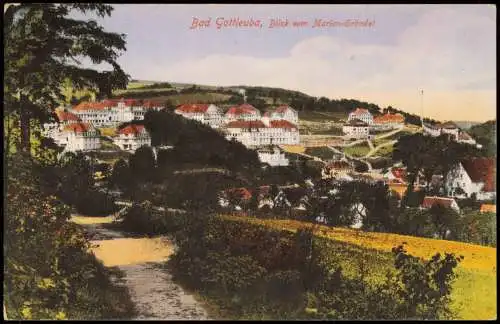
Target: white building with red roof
point(79, 137)
point(245, 112)
point(361, 114)
point(111, 112)
point(475, 176)
point(208, 114)
point(131, 137)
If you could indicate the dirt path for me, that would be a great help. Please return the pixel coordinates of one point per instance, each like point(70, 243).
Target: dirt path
point(153, 292)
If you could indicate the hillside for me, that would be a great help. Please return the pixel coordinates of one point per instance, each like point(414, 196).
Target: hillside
point(485, 134)
point(476, 283)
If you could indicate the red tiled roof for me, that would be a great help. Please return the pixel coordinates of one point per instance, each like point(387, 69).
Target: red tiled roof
point(481, 170)
point(242, 193)
point(431, 201)
point(246, 124)
point(66, 116)
point(77, 127)
point(242, 109)
point(399, 173)
point(90, 106)
point(193, 108)
point(389, 118)
point(360, 111)
point(282, 124)
point(131, 129)
point(488, 208)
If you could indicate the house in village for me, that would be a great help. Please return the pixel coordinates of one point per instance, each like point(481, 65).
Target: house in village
point(388, 121)
point(446, 202)
point(131, 137)
point(361, 114)
point(283, 113)
point(272, 155)
point(208, 114)
point(54, 130)
point(79, 137)
point(356, 129)
point(451, 129)
point(473, 177)
point(235, 198)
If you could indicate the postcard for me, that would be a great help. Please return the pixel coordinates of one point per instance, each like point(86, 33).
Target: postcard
point(249, 162)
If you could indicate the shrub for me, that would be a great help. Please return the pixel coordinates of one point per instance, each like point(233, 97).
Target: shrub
point(96, 203)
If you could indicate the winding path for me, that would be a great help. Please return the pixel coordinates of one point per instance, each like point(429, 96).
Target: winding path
point(141, 260)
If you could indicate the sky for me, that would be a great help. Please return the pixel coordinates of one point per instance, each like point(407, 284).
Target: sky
point(449, 51)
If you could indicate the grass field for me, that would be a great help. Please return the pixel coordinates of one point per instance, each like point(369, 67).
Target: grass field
point(357, 150)
point(294, 148)
point(385, 151)
point(474, 294)
point(319, 116)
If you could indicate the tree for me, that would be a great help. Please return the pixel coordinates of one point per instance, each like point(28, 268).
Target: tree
point(120, 176)
point(142, 163)
point(43, 45)
point(444, 219)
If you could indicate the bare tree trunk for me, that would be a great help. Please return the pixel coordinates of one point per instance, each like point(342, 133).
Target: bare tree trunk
point(25, 125)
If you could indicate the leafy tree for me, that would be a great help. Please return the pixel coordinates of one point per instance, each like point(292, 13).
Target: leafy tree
point(120, 176)
point(444, 219)
point(142, 163)
point(43, 45)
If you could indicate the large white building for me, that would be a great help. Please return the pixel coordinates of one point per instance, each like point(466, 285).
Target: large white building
point(131, 137)
point(204, 113)
point(113, 112)
point(474, 176)
point(263, 132)
point(361, 114)
point(356, 129)
point(272, 156)
point(79, 137)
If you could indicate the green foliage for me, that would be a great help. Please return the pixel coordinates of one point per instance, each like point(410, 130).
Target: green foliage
point(42, 43)
point(195, 142)
point(256, 272)
point(48, 273)
point(485, 134)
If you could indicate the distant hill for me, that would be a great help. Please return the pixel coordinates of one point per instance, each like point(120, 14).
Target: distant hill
point(262, 98)
point(465, 125)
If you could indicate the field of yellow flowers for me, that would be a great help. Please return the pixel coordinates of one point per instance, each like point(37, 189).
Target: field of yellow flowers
point(474, 294)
